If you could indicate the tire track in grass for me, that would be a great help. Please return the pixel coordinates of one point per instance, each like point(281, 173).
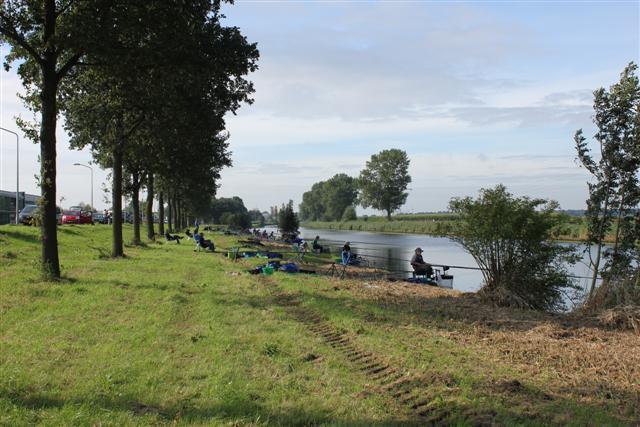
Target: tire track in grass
point(409, 391)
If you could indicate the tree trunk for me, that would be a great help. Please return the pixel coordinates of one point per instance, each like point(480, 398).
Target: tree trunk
point(160, 213)
point(179, 215)
point(149, 207)
point(388, 214)
point(136, 208)
point(617, 225)
point(117, 248)
point(596, 264)
point(174, 207)
point(170, 213)
point(49, 223)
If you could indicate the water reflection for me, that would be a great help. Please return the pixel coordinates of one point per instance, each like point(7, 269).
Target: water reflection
point(393, 252)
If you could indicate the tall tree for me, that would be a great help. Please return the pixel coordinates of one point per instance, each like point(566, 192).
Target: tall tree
point(312, 207)
point(288, 220)
point(180, 73)
point(148, 207)
point(383, 183)
point(614, 195)
point(327, 200)
point(50, 37)
point(339, 192)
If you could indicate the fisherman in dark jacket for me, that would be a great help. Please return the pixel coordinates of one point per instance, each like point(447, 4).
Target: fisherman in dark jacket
point(420, 268)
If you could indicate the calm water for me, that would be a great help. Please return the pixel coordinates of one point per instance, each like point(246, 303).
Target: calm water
point(393, 252)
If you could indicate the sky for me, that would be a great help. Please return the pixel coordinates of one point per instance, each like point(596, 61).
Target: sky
point(477, 94)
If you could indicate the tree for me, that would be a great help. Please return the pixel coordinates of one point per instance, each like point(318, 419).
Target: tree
point(312, 207)
point(177, 73)
point(87, 207)
point(384, 181)
point(231, 212)
point(236, 220)
point(148, 207)
point(327, 200)
point(257, 216)
point(287, 219)
point(50, 37)
point(349, 214)
point(231, 206)
point(339, 192)
point(614, 195)
point(510, 239)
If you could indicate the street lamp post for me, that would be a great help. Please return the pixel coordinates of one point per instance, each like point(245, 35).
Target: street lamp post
point(91, 169)
point(17, 170)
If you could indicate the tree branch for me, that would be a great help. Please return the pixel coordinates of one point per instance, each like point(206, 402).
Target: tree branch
point(67, 66)
point(134, 126)
point(9, 31)
point(64, 8)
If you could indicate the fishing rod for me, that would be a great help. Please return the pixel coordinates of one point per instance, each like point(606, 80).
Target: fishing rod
point(458, 267)
point(386, 270)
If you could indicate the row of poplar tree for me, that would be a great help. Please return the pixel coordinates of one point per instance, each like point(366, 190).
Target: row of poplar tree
point(145, 84)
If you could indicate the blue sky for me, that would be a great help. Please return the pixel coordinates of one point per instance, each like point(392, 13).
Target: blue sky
point(477, 93)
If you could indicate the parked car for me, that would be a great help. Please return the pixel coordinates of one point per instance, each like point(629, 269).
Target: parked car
point(29, 212)
point(100, 218)
point(76, 217)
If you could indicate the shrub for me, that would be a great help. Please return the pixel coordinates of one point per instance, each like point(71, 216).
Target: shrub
point(510, 240)
point(349, 214)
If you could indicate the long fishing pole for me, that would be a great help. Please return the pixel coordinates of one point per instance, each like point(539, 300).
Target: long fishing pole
point(458, 267)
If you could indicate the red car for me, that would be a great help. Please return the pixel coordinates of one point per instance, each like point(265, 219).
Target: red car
point(77, 217)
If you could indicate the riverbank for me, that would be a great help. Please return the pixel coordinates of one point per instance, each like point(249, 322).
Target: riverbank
point(574, 231)
point(167, 336)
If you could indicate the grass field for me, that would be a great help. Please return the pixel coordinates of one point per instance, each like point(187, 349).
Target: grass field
point(167, 336)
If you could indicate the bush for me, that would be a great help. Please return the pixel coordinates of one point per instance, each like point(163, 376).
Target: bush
point(621, 287)
point(510, 240)
point(349, 214)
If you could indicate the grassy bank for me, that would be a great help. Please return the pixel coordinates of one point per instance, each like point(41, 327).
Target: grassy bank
point(167, 336)
point(574, 229)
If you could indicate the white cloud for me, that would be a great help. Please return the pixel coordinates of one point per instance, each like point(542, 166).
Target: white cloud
point(436, 178)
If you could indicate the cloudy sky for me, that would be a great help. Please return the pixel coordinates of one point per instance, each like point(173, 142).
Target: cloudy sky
point(477, 93)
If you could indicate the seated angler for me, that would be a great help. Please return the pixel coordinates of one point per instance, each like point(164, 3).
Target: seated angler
point(316, 245)
point(346, 253)
point(420, 268)
point(204, 243)
point(170, 238)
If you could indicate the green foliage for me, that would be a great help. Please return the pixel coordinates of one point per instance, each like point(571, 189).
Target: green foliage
point(257, 217)
point(230, 211)
point(614, 194)
point(327, 200)
point(48, 39)
point(169, 72)
point(287, 219)
point(349, 214)
point(383, 183)
point(509, 238)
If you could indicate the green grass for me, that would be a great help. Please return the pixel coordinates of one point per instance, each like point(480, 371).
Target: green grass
point(383, 226)
point(167, 336)
point(574, 229)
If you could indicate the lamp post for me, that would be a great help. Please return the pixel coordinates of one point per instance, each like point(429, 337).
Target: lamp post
point(17, 170)
point(91, 169)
